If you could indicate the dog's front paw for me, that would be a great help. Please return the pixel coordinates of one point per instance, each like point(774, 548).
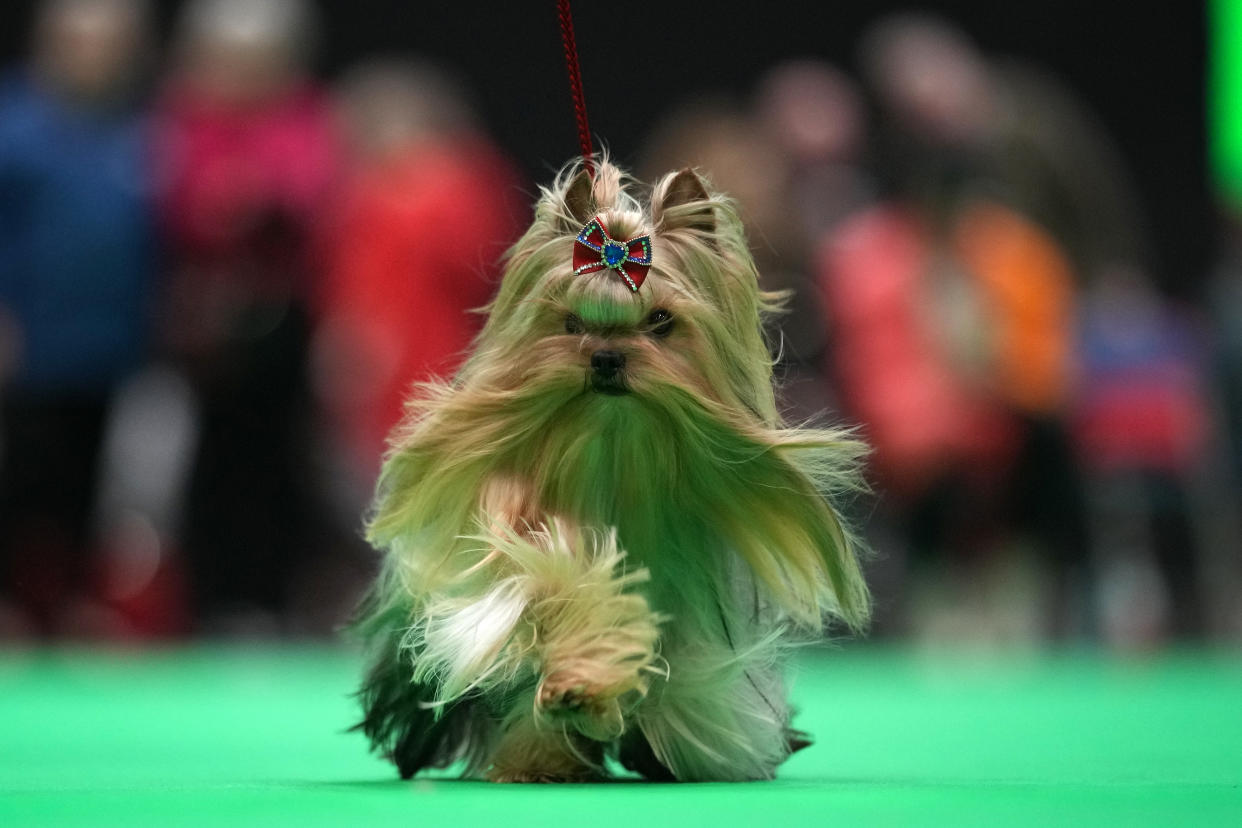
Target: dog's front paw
point(563, 693)
point(592, 710)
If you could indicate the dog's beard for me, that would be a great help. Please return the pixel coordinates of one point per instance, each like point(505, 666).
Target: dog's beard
point(611, 458)
point(614, 459)
point(653, 463)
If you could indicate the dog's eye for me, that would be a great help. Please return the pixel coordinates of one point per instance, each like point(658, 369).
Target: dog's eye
point(573, 325)
point(661, 322)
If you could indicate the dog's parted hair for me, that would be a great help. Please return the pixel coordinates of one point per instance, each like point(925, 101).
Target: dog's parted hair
point(659, 547)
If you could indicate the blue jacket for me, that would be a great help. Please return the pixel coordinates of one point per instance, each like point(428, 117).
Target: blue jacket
point(76, 240)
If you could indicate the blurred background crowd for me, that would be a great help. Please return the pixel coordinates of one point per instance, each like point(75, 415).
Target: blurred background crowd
point(221, 268)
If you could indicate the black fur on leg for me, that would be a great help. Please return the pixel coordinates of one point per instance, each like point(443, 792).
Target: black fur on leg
point(399, 717)
point(635, 754)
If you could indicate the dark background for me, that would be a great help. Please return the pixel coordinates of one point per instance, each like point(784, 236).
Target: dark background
point(1140, 67)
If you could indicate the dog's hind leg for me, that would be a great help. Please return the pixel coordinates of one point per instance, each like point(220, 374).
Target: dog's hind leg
point(720, 716)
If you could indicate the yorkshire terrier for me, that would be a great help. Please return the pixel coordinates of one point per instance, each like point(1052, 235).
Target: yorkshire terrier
point(600, 538)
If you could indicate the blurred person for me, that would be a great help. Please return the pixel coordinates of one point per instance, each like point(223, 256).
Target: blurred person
point(957, 121)
point(428, 207)
point(816, 114)
point(76, 266)
point(248, 161)
point(951, 345)
point(967, 137)
point(953, 312)
point(1145, 425)
point(816, 118)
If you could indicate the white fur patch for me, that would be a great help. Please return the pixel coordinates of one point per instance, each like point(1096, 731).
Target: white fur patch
point(460, 645)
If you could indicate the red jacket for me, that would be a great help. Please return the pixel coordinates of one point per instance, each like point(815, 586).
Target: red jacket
point(415, 249)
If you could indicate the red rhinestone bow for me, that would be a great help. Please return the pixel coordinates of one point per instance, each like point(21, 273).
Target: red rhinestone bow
point(595, 250)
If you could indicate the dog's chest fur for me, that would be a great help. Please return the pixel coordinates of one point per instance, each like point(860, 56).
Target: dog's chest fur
point(618, 469)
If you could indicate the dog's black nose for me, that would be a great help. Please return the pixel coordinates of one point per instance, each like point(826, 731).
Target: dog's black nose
point(607, 363)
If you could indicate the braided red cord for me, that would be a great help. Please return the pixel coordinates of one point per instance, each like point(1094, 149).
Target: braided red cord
point(575, 84)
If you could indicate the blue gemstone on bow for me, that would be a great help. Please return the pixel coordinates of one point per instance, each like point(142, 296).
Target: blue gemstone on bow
point(596, 250)
point(614, 254)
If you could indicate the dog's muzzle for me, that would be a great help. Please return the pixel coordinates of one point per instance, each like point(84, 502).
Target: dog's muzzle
point(608, 372)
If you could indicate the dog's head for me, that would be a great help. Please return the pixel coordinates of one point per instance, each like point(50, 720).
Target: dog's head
point(580, 312)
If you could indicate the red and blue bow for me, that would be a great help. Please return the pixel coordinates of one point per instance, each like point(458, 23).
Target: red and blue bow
point(595, 250)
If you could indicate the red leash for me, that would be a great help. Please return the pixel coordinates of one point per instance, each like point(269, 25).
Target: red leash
point(575, 85)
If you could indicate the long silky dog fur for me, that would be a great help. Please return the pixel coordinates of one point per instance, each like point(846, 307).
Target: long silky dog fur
point(572, 577)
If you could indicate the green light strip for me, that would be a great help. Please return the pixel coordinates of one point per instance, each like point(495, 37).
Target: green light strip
point(1225, 96)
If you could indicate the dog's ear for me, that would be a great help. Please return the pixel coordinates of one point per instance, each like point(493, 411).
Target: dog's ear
point(580, 198)
point(685, 187)
point(681, 201)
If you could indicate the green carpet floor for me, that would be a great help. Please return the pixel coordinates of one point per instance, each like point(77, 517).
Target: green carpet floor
point(235, 736)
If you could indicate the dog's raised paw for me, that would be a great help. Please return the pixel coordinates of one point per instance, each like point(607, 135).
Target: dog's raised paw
point(566, 695)
point(591, 711)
